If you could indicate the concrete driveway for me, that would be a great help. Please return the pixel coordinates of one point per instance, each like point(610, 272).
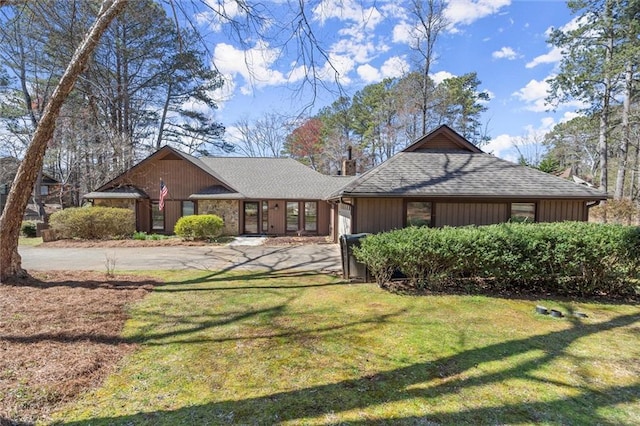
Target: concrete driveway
point(309, 257)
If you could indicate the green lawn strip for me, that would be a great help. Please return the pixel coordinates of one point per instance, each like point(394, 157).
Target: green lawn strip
point(258, 348)
point(24, 241)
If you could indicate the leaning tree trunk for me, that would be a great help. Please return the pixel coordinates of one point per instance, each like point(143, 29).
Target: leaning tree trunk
point(11, 219)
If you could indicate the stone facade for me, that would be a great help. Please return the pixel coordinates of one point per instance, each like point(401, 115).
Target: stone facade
point(226, 209)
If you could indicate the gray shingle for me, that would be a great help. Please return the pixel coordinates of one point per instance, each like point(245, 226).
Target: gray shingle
point(272, 178)
point(429, 173)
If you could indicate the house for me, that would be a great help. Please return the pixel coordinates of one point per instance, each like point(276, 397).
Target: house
point(51, 192)
point(440, 180)
point(274, 196)
point(444, 180)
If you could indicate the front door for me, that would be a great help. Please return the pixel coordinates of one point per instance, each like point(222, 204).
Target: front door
point(251, 217)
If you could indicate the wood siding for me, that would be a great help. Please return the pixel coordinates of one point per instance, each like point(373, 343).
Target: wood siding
point(378, 214)
point(384, 214)
point(562, 210)
point(462, 214)
point(442, 142)
point(181, 178)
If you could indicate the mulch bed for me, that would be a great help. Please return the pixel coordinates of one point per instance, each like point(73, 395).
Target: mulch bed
point(60, 334)
point(170, 242)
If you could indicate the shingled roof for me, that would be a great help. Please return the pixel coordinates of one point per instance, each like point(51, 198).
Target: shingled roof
point(273, 178)
point(457, 169)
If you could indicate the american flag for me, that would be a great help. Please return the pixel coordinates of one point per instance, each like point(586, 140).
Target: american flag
point(163, 194)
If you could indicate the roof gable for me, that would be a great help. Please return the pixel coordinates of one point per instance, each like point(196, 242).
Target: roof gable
point(444, 138)
point(165, 153)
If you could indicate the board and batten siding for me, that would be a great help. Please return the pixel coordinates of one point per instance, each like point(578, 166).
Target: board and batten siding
point(562, 210)
point(462, 214)
point(181, 178)
point(379, 214)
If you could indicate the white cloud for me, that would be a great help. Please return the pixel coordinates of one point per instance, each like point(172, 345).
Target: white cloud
point(500, 147)
point(253, 65)
point(551, 57)
point(395, 66)
point(215, 10)
point(347, 10)
point(402, 33)
point(505, 53)
point(534, 94)
point(369, 74)
point(441, 76)
point(466, 12)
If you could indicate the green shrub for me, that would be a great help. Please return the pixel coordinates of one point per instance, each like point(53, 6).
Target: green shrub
point(92, 223)
point(570, 258)
point(199, 227)
point(141, 236)
point(29, 228)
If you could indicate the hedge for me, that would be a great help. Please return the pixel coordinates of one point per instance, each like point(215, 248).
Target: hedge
point(93, 223)
point(569, 258)
point(199, 227)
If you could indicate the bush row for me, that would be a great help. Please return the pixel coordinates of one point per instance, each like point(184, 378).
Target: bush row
point(569, 258)
point(93, 223)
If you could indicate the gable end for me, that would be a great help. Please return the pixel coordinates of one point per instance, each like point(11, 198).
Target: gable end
point(443, 138)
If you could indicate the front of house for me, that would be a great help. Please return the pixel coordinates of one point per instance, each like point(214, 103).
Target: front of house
point(444, 180)
point(267, 196)
point(440, 180)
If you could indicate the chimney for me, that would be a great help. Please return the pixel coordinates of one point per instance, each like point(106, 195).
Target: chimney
point(349, 165)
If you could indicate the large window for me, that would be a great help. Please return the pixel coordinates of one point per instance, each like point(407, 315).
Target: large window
point(419, 213)
point(523, 212)
point(311, 216)
point(188, 208)
point(251, 217)
point(265, 216)
point(157, 217)
point(292, 216)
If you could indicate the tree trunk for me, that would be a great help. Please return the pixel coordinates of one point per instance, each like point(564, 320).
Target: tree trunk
point(10, 260)
point(626, 132)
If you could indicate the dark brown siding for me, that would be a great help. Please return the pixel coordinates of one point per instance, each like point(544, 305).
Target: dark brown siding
point(181, 178)
point(442, 142)
point(324, 218)
point(561, 210)
point(461, 214)
point(378, 214)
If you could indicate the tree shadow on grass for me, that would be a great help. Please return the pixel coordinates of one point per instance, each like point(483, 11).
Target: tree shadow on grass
point(426, 382)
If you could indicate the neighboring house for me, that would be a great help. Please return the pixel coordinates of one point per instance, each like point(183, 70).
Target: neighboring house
point(444, 180)
point(274, 196)
point(49, 190)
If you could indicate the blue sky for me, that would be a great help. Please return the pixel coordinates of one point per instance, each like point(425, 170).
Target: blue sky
point(503, 41)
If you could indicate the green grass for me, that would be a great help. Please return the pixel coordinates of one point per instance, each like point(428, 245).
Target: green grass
point(24, 241)
point(307, 349)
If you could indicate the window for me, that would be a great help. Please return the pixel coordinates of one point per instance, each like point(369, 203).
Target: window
point(310, 216)
point(251, 217)
point(157, 217)
point(188, 208)
point(292, 216)
point(265, 216)
point(418, 213)
point(523, 212)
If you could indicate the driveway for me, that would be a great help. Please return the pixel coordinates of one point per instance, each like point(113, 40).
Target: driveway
point(315, 257)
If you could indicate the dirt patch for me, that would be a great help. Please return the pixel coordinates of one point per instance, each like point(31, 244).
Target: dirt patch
point(60, 334)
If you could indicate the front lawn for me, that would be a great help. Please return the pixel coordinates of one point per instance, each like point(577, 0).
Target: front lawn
point(308, 349)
